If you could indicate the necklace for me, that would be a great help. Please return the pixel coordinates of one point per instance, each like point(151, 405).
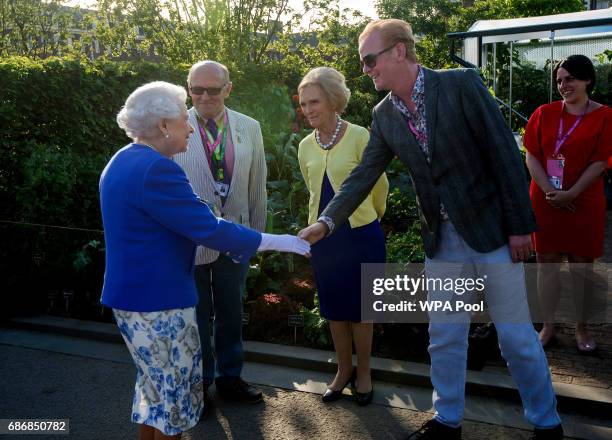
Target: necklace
point(330, 144)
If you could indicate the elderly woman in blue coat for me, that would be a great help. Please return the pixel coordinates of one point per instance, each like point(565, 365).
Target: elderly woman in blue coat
point(153, 222)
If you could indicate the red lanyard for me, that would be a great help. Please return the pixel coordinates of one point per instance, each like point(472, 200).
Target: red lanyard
point(562, 137)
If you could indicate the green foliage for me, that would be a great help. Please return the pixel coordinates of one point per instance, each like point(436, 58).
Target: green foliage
point(316, 328)
point(49, 177)
point(605, 56)
point(83, 257)
point(266, 101)
point(234, 32)
point(332, 42)
point(530, 85)
point(431, 20)
point(603, 87)
point(284, 178)
point(36, 28)
point(359, 108)
point(59, 130)
point(404, 243)
point(406, 247)
point(427, 17)
point(401, 210)
point(51, 160)
point(58, 114)
point(287, 206)
point(500, 9)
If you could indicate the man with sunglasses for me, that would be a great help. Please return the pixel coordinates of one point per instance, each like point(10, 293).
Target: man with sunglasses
point(474, 209)
point(226, 166)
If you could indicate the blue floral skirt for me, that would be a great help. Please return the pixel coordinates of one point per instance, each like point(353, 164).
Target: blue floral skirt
point(166, 349)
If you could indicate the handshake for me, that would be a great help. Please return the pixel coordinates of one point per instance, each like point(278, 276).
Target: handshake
point(290, 243)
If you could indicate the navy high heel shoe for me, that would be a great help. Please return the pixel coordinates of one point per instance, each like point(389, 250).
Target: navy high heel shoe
point(363, 399)
point(332, 395)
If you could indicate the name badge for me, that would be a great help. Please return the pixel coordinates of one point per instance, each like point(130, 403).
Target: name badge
point(222, 188)
point(554, 169)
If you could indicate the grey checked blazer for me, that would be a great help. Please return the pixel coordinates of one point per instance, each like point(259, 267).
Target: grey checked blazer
point(476, 169)
point(247, 198)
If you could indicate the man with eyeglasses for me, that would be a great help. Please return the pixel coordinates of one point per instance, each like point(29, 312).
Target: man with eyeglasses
point(226, 166)
point(474, 209)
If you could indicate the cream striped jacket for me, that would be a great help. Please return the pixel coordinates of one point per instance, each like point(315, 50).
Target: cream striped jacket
point(247, 198)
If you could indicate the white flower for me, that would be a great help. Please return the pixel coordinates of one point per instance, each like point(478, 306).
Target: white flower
point(197, 394)
point(122, 314)
point(190, 339)
point(175, 418)
point(148, 389)
point(150, 316)
point(161, 350)
point(176, 376)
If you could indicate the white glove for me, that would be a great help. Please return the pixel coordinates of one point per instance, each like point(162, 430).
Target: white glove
point(284, 243)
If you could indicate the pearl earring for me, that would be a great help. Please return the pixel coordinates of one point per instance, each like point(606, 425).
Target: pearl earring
point(167, 136)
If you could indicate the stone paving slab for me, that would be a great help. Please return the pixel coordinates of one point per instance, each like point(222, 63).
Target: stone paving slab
point(567, 365)
point(494, 381)
point(96, 394)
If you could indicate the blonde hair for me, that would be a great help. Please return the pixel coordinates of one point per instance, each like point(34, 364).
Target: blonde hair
point(392, 31)
point(332, 84)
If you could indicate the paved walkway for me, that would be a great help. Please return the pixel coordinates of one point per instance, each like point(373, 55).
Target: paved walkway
point(566, 364)
point(91, 383)
point(96, 396)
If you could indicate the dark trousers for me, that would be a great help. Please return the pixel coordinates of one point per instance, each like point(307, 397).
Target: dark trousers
point(221, 285)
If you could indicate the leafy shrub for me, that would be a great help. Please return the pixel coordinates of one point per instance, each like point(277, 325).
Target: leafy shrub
point(405, 247)
point(401, 211)
point(59, 131)
point(316, 328)
point(269, 316)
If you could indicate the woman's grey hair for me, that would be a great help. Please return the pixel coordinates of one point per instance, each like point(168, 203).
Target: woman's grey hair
point(332, 83)
point(149, 104)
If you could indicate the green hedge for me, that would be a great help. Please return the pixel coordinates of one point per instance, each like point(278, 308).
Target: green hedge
point(58, 132)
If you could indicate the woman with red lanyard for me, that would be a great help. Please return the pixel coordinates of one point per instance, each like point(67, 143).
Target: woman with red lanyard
point(568, 145)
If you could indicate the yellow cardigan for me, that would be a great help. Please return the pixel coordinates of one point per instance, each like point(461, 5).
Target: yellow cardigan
point(339, 162)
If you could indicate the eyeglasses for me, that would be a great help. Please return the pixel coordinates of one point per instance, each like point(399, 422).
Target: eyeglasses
point(370, 59)
point(211, 91)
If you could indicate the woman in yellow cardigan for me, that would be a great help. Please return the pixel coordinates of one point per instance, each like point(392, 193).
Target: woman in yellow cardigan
point(326, 158)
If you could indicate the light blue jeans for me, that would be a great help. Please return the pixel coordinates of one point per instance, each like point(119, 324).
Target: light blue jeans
point(505, 295)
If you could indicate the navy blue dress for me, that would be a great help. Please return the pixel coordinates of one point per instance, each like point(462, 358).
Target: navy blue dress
point(336, 262)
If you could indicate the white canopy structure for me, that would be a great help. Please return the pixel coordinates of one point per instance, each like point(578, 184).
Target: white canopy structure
point(484, 35)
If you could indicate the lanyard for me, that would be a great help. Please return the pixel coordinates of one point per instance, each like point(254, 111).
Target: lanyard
point(562, 137)
point(216, 149)
point(221, 137)
point(420, 136)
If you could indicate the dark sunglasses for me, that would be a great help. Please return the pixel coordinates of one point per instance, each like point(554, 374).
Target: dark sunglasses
point(211, 91)
point(370, 59)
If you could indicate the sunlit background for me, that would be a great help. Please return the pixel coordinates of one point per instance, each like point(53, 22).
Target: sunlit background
point(366, 7)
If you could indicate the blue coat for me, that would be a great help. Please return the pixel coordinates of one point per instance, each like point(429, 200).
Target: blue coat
point(152, 223)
